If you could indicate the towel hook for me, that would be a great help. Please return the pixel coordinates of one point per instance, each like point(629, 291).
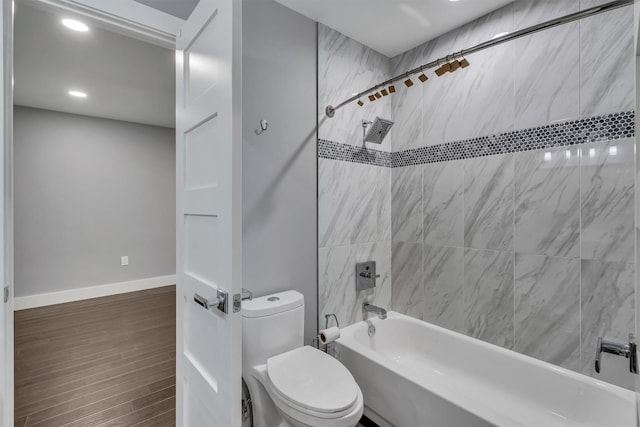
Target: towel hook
point(263, 127)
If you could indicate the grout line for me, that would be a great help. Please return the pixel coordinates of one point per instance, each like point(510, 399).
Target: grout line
point(580, 256)
point(580, 29)
point(513, 255)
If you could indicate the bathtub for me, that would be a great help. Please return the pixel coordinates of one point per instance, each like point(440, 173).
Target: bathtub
point(414, 374)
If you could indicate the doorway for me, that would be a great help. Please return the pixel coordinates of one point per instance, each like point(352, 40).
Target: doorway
point(94, 153)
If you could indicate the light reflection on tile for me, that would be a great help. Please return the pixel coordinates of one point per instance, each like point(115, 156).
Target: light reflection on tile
point(607, 187)
point(547, 197)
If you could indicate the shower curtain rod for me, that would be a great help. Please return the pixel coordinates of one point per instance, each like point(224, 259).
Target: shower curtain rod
point(330, 110)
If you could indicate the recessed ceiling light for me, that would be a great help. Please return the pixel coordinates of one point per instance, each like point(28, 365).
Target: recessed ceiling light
point(497, 36)
point(454, 1)
point(77, 94)
point(74, 25)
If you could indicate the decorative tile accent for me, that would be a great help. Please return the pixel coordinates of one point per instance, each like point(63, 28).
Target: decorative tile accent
point(351, 153)
point(607, 127)
point(594, 129)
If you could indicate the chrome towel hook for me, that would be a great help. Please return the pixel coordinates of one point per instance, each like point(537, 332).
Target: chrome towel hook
point(263, 127)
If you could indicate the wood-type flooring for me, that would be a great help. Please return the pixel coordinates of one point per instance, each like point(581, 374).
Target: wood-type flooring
point(101, 362)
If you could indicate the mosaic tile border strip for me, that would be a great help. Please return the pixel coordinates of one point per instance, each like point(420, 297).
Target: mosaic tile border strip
point(351, 153)
point(601, 128)
point(594, 129)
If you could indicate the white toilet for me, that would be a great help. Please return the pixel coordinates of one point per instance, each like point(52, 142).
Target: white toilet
point(292, 385)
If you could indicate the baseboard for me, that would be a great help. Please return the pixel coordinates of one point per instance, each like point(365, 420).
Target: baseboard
point(41, 300)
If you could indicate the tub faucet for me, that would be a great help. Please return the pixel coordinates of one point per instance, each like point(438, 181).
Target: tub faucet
point(624, 350)
point(366, 307)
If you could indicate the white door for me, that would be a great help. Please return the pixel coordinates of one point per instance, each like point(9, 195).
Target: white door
point(209, 216)
point(6, 216)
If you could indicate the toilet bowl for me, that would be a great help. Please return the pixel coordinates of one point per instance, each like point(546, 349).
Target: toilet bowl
point(291, 384)
point(311, 388)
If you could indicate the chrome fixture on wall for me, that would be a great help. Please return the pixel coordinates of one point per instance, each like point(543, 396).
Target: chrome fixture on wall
point(370, 308)
point(327, 317)
point(264, 125)
point(247, 294)
point(377, 132)
point(625, 350)
point(457, 60)
point(366, 275)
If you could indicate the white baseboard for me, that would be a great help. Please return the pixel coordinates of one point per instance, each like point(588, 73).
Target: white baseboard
point(41, 300)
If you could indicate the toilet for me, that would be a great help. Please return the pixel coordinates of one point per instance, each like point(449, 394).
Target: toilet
point(292, 385)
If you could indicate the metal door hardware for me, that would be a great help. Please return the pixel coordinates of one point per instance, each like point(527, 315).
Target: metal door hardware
point(220, 302)
point(237, 302)
point(327, 317)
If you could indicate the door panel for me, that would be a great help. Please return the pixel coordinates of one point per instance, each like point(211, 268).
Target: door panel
point(209, 214)
point(6, 216)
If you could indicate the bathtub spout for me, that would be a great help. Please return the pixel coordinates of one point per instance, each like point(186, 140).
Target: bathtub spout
point(366, 307)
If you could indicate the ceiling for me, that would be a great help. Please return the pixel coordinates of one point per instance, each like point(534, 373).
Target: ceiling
point(180, 9)
point(393, 26)
point(125, 78)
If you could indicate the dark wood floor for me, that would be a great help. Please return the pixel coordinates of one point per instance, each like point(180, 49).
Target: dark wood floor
point(102, 362)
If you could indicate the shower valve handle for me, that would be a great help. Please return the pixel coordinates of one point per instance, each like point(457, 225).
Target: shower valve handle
point(624, 350)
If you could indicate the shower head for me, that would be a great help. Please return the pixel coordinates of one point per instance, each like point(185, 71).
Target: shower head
point(378, 130)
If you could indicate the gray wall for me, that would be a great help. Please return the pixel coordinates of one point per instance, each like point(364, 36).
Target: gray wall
point(279, 166)
point(87, 191)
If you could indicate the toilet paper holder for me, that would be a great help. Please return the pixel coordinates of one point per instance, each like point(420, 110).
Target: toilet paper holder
point(329, 316)
point(316, 340)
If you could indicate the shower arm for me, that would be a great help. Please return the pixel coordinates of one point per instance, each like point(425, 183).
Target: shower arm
point(331, 110)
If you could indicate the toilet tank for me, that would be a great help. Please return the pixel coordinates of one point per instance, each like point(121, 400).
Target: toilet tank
point(271, 325)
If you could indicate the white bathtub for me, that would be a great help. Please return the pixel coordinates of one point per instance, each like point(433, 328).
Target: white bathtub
point(414, 374)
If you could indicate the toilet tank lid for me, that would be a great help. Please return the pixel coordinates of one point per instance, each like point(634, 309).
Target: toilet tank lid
point(272, 304)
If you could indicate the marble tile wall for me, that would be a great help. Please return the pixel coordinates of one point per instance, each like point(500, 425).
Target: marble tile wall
point(534, 250)
point(346, 67)
point(578, 70)
point(531, 250)
point(354, 206)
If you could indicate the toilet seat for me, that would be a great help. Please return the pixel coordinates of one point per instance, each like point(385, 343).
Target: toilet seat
point(311, 382)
